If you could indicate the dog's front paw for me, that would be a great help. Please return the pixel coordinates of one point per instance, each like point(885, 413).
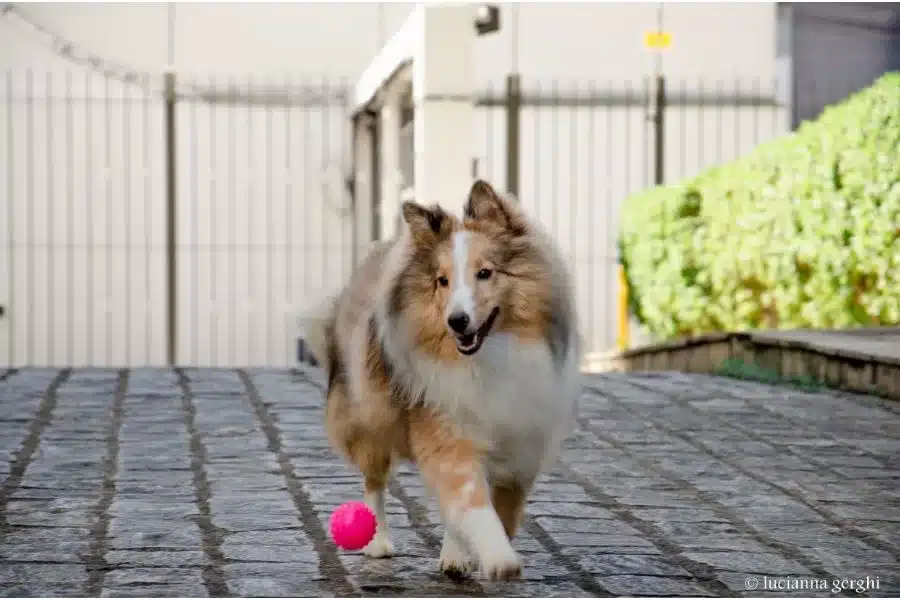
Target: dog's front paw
point(455, 563)
point(502, 566)
point(379, 547)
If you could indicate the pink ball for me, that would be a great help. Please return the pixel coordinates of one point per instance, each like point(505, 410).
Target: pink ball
point(352, 525)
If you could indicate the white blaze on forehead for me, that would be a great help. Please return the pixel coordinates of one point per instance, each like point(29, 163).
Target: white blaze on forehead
point(461, 298)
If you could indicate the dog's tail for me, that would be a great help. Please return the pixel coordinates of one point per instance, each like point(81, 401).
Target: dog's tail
point(317, 328)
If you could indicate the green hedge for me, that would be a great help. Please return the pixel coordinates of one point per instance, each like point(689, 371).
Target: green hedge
point(802, 232)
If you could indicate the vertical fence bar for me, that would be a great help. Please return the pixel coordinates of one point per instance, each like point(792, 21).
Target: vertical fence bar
point(288, 183)
point(128, 198)
point(735, 92)
point(608, 214)
point(756, 105)
point(629, 105)
point(489, 139)
point(720, 108)
point(645, 130)
point(270, 234)
point(213, 224)
point(248, 248)
point(29, 201)
point(70, 225)
point(737, 120)
point(659, 128)
point(573, 175)
point(194, 247)
point(538, 194)
point(513, 107)
point(50, 313)
point(347, 138)
point(776, 107)
point(375, 181)
point(682, 131)
point(347, 152)
point(231, 255)
point(9, 312)
point(306, 248)
point(701, 117)
point(592, 167)
point(554, 165)
point(324, 151)
point(171, 221)
point(107, 197)
point(148, 216)
point(356, 124)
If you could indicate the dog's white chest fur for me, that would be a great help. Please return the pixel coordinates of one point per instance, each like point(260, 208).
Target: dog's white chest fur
point(511, 396)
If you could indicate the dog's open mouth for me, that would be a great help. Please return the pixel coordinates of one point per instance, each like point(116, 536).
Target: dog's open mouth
point(470, 343)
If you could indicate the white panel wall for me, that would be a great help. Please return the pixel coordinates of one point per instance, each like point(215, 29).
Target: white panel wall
point(83, 206)
point(262, 227)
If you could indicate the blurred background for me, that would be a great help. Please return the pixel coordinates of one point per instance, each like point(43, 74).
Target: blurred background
point(179, 180)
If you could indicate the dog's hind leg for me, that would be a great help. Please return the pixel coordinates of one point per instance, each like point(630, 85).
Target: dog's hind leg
point(451, 466)
point(508, 499)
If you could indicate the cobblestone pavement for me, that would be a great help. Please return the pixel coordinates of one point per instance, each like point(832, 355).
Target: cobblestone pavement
point(220, 482)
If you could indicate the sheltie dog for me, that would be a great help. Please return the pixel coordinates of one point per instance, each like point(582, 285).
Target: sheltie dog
point(455, 346)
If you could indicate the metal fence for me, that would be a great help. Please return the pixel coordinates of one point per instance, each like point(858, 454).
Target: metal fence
point(574, 151)
point(144, 224)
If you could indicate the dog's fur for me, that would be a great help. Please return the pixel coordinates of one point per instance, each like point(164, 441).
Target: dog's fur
point(402, 385)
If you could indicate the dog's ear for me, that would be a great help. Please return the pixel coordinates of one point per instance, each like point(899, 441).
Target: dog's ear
point(425, 223)
point(486, 206)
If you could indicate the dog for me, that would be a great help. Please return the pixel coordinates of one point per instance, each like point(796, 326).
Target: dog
point(454, 345)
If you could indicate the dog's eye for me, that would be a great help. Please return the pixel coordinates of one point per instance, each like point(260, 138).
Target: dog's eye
point(484, 274)
point(443, 281)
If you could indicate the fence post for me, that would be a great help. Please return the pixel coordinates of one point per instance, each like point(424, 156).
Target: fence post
point(659, 129)
point(513, 130)
point(171, 221)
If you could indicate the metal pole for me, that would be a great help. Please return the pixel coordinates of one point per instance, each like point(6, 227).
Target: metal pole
point(659, 106)
point(171, 199)
point(171, 222)
point(659, 129)
point(513, 131)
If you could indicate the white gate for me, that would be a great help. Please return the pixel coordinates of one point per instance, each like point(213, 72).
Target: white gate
point(260, 221)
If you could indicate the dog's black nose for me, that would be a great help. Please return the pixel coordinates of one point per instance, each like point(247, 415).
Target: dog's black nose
point(458, 322)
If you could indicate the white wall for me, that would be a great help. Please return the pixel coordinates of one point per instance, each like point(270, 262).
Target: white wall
point(605, 40)
point(548, 40)
point(265, 39)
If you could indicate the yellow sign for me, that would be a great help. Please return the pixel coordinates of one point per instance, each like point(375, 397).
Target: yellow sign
point(658, 39)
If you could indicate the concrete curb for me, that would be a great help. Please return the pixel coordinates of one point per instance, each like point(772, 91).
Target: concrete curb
point(866, 361)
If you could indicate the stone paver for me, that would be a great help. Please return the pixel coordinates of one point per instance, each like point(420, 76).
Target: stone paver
point(160, 482)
